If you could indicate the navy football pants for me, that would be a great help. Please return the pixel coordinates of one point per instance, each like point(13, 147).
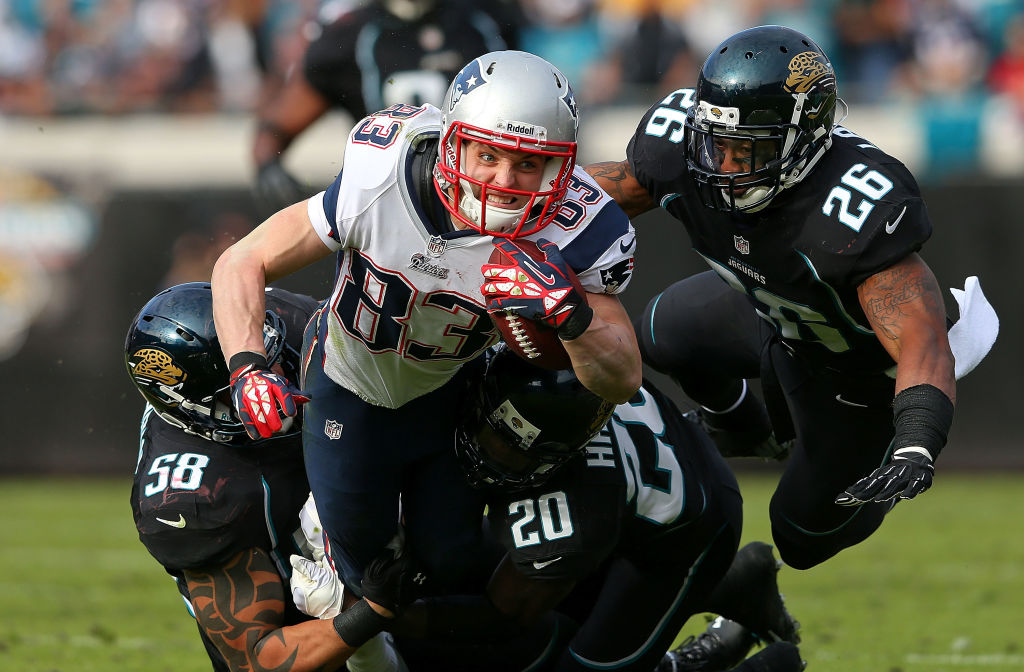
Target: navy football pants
point(382, 454)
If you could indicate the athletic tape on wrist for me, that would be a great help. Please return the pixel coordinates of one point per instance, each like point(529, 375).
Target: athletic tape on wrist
point(246, 357)
point(359, 623)
point(576, 323)
point(922, 416)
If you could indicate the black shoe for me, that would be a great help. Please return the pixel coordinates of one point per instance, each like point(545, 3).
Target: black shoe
point(776, 657)
point(724, 644)
point(753, 438)
point(749, 594)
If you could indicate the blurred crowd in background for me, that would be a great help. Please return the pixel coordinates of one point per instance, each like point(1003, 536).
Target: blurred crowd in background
point(81, 252)
point(65, 57)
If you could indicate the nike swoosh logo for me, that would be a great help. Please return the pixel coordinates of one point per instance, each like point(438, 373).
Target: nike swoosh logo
point(626, 247)
point(180, 522)
point(840, 399)
point(530, 264)
point(542, 565)
point(889, 228)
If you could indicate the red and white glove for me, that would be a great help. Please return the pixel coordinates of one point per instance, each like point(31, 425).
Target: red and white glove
point(541, 291)
point(262, 398)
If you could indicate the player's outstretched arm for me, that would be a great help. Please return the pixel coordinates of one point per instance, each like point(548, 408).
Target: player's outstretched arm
point(241, 607)
point(282, 244)
point(616, 178)
point(905, 308)
point(904, 305)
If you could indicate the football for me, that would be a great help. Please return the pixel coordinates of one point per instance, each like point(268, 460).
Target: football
point(535, 342)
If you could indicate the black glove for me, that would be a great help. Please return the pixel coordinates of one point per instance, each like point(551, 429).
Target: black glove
point(276, 188)
point(907, 476)
point(392, 580)
point(922, 415)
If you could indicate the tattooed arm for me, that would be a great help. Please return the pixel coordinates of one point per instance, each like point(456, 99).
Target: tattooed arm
point(241, 607)
point(904, 305)
point(618, 180)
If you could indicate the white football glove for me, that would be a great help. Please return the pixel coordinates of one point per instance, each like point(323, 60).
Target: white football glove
point(316, 589)
point(309, 520)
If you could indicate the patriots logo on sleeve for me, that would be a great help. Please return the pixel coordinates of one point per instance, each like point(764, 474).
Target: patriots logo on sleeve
point(469, 79)
point(617, 275)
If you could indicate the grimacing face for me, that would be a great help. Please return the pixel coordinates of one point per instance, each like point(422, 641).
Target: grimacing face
point(507, 169)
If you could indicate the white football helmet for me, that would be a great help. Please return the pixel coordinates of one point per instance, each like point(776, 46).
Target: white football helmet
point(514, 101)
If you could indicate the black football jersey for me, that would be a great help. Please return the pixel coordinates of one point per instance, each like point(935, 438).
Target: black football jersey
point(198, 503)
point(800, 260)
point(640, 477)
point(367, 59)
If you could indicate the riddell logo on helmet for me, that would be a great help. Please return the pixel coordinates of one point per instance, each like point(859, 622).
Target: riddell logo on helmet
point(519, 128)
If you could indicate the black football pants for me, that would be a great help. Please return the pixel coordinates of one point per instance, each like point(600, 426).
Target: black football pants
point(707, 336)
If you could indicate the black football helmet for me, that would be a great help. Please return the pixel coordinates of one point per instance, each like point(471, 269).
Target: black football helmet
point(524, 422)
point(773, 90)
point(174, 358)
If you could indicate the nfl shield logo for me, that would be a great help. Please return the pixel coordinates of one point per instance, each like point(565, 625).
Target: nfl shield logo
point(332, 429)
point(436, 245)
point(742, 244)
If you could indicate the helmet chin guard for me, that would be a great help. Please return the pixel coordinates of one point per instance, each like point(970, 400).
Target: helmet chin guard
point(515, 102)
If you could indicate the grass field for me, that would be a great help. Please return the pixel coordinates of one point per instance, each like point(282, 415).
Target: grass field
point(937, 589)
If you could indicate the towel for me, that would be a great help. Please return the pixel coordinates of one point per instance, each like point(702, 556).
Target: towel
point(972, 336)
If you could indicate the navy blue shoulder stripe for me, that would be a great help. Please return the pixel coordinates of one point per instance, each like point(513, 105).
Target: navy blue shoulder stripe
point(583, 251)
point(331, 205)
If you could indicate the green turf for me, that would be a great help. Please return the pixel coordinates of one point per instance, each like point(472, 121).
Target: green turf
point(937, 589)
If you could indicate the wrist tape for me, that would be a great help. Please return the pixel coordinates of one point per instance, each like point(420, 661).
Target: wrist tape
point(577, 322)
point(922, 416)
point(359, 623)
point(246, 357)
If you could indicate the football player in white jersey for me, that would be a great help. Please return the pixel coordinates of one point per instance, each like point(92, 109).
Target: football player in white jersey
point(424, 197)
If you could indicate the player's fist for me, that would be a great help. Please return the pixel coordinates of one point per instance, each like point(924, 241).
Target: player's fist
point(392, 579)
point(907, 476)
point(539, 287)
point(316, 589)
point(263, 398)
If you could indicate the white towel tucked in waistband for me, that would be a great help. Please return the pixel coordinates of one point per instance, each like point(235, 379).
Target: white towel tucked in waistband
point(972, 336)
